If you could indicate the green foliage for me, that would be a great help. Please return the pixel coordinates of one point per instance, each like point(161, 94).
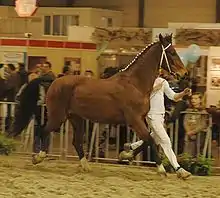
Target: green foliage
point(7, 145)
point(198, 166)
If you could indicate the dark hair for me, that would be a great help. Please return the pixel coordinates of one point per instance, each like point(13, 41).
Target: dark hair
point(89, 71)
point(200, 95)
point(67, 63)
point(11, 67)
point(109, 71)
point(21, 65)
point(48, 63)
point(60, 75)
point(197, 94)
point(65, 69)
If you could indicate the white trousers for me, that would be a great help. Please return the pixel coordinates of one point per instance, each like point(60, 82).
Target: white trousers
point(160, 136)
point(156, 123)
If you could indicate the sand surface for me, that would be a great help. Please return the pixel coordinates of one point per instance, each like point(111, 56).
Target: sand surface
point(58, 179)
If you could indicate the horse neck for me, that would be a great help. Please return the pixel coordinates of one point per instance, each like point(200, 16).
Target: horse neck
point(145, 70)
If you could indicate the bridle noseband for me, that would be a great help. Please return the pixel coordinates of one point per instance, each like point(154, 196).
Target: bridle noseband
point(164, 55)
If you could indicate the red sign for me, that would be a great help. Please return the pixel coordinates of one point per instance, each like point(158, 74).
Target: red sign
point(25, 8)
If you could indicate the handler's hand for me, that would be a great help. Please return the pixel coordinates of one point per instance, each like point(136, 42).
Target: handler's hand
point(187, 92)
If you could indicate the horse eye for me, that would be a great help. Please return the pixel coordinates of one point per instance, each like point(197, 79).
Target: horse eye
point(173, 53)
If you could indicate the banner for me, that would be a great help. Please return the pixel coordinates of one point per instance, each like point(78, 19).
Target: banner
point(12, 57)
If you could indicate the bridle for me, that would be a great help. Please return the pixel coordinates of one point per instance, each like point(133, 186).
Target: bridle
point(164, 56)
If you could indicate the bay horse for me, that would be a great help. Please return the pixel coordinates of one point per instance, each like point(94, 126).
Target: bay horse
point(120, 99)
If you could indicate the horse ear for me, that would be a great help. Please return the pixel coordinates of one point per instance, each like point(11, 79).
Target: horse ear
point(161, 38)
point(171, 37)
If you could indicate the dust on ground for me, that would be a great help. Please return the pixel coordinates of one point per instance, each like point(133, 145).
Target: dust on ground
point(59, 179)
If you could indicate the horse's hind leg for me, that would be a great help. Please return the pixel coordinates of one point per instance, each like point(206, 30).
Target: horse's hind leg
point(77, 123)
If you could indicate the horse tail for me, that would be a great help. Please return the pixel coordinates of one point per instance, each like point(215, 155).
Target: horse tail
point(24, 111)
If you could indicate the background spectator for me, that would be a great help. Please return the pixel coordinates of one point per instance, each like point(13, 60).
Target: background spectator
point(195, 124)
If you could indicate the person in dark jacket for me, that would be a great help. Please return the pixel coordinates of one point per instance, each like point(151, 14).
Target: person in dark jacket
point(23, 74)
point(2, 85)
point(2, 88)
point(47, 75)
point(11, 89)
point(67, 70)
point(12, 83)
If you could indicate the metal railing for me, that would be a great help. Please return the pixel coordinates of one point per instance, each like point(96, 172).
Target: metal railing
point(60, 142)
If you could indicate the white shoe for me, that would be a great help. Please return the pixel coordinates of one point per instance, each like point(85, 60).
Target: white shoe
point(183, 174)
point(161, 170)
point(124, 155)
point(38, 158)
point(127, 147)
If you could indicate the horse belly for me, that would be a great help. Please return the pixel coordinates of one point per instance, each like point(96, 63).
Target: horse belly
point(97, 107)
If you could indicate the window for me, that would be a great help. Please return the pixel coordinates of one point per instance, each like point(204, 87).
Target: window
point(68, 21)
point(56, 25)
point(107, 22)
point(59, 24)
point(47, 25)
point(64, 25)
point(75, 20)
point(110, 22)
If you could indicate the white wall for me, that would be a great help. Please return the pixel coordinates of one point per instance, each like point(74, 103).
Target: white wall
point(99, 17)
point(82, 34)
point(194, 25)
point(158, 13)
point(213, 95)
point(128, 8)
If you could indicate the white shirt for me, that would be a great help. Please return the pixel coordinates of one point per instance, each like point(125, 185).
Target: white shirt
point(157, 98)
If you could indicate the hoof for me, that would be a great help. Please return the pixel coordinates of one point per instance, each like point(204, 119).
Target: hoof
point(38, 158)
point(126, 156)
point(161, 170)
point(163, 174)
point(85, 165)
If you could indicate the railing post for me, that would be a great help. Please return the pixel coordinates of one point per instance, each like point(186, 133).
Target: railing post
point(61, 142)
point(117, 140)
point(107, 141)
point(92, 141)
point(176, 136)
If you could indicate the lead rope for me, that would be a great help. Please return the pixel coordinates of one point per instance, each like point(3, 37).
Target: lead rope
point(156, 91)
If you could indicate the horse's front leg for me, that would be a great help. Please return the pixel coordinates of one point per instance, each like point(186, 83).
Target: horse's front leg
point(139, 126)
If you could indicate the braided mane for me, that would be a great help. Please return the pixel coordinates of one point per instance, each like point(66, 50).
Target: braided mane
point(166, 37)
point(143, 51)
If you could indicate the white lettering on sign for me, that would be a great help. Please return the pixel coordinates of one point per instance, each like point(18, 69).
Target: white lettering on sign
point(25, 8)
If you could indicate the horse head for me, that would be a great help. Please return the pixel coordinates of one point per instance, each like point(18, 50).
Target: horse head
point(170, 60)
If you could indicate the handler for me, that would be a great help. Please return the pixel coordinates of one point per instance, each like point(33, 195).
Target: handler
point(155, 120)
